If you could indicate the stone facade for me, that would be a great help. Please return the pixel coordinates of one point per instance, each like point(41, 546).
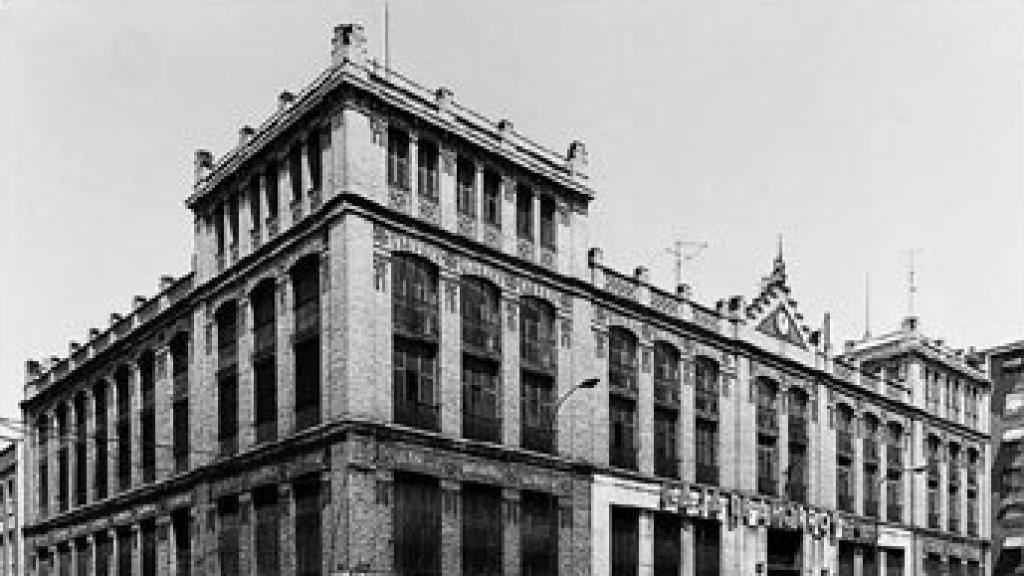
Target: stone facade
point(10, 529)
point(352, 183)
point(1006, 368)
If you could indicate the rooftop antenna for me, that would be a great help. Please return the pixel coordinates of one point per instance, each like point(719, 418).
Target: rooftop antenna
point(911, 286)
point(683, 251)
point(867, 305)
point(387, 37)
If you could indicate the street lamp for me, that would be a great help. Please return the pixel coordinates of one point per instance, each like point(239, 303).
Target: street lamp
point(585, 384)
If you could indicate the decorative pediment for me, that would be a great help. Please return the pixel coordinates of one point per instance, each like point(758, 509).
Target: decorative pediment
point(774, 313)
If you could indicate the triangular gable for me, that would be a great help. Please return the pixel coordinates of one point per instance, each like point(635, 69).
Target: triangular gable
point(781, 324)
point(774, 312)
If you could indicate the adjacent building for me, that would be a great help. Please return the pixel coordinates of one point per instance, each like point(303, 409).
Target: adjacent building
point(1006, 368)
point(398, 353)
point(10, 530)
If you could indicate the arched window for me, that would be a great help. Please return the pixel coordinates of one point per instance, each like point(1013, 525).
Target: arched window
point(481, 360)
point(414, 302)
point(179, 401)
point(538, 365)
point(147, 418)
point(306, 288)
point(666, 410)
point(622, 360)
point(226, 318)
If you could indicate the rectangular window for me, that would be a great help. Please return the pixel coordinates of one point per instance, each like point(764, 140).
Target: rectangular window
point(707, 451)
point(295, 172)
point(307, 384)
point(181, 442)
point(492, 198)
point(148, 422)
point(218, 228)
point(314, 160)
point(124, 552)
point(536, 403)
point(272, 179)
point(894, 499)
point(548, 229)
point(233, 219)
point(767, 466)
point(255, 204)
point(228, 536)
point(100, 442)
point(148, 531)
point(465, 187)
point(844, 487)
point(124, 433)
point(797, 476)
point(81, 450)
point(227, 413)
point(706, 548)
point(265, 387)
point(625, 541)
point(622, 436)
point(268, 531)
point(308, 525)
point(43, 480)
point(480, 419)
point(181, 524)
point(63, 469)
point(102, 543)
point(524, 212)
point(538, 534)
point(415, 382)
point(426, 157)
point(481, 530)
point(417, 525)
point(666, 460)
point(893, 562)
point(398, 159)
point(667, 545)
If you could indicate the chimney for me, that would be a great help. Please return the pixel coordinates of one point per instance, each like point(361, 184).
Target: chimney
point(735, 304)
point(576, 158)
point(32, 370)
point(115, 318)
point(505, 128)
point(245, 134)
point(443, 99)
point(166, 282)
point(348, 44)
point(595, 257)
point(94, 333)
point(284, 99)
point(684, 291)
point(910, 324)
point(137, 302)
point(642, 275)
point(204, 163)
point(73, 348)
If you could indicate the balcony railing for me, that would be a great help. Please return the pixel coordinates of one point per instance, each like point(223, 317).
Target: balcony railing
point(767, 485)
point(538, 439)
point(767, 421)
point(539, 354)
point(798, 429)
point(415, 320)
point(398, 172)
point(307, 319)
point(871, 507)
point(844, 443)
point(797, 491)
point(894, 457)
point(870, 447)
point(428, 182)
point(894, 512)
point(666, 466)
point(707, 473)
point(845, 500)
point(417, 414)
point(666, 392)
point(480, 427)
point(623, 456)
point(706, 403)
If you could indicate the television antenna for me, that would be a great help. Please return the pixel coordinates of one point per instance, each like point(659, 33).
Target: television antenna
point(683, 251)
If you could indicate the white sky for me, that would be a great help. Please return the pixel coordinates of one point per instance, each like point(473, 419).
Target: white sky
point(858, 130)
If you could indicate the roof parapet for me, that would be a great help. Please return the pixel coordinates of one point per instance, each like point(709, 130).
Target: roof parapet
point(285, 99)
point(245, 134)
point(576, 158)
point(203, 164)
point(348, 44)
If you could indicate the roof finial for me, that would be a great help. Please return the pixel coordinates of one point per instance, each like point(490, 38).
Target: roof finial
point(779, 269)
point(778, 257)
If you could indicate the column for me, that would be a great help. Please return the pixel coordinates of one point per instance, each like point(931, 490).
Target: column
point(115, 551)
point(858, 463)
point(111, 444)
point(686, 567)
point(287, 520)
point(136, 544)
point(644, 399)
point(535, 214)
point(245, 245)
point(645, 554)
point(414, 161)
point(285, 358)
point(510, 521)
point(687, 423)
point(90, 546)
point(858, 561)
point(246, 535)
point(90, 446)
point(449, 396)
point(53, 466)
point(284, 193)
point(163, 413)
point(327, 168)
point(508, 214)
point(246, 376)
point(784, 476)
point(135, 384)
point(307, 174)
point(510, 388)
point(451, 527)
point(164, 547)
point(478, 183)
point(71, 441)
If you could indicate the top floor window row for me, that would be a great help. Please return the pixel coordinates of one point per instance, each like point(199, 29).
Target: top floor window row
point(415, 297)
point(706, 376)
point(622, 360)
point(666, 373)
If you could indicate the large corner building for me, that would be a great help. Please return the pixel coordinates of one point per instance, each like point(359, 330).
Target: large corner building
point(1006, 367)
point(384, 362)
